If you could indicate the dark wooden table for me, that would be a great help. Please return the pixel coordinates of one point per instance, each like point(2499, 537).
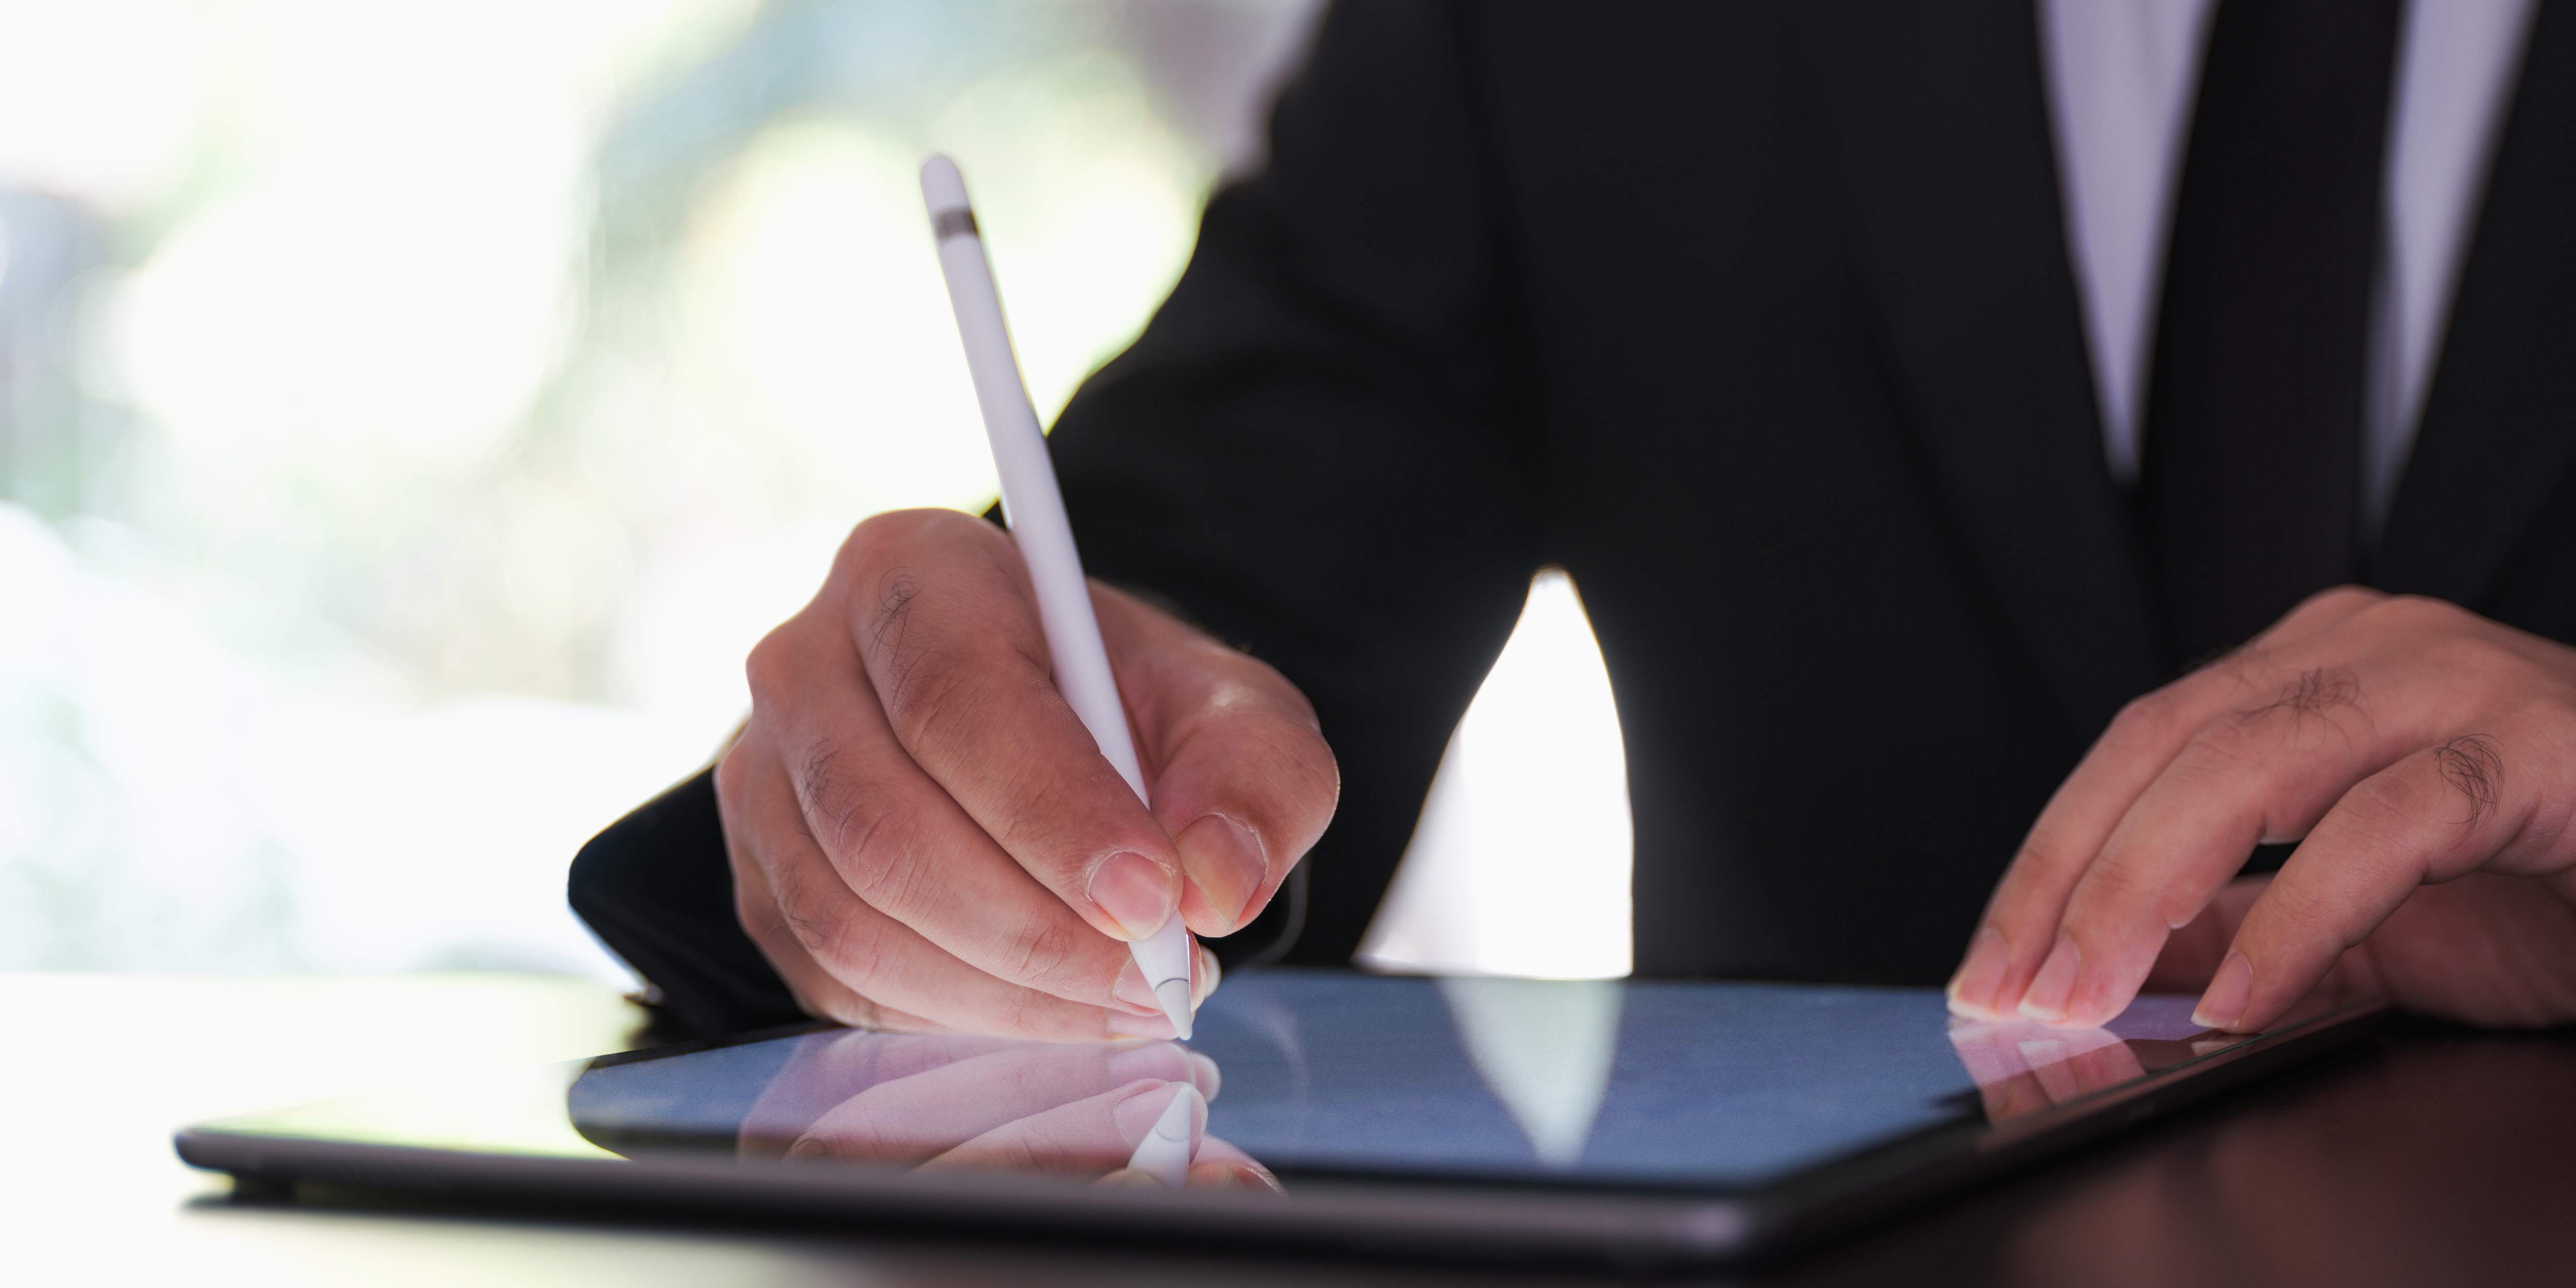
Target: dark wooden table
point(2427, 1156)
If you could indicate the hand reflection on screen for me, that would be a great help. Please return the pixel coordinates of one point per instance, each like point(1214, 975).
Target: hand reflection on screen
point(2023, 1066)
point(941, 1102)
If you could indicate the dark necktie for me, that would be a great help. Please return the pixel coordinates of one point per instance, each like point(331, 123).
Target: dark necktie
point(2254, 403)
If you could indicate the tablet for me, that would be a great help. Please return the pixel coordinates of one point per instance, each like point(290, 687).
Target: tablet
point(1641, 1123)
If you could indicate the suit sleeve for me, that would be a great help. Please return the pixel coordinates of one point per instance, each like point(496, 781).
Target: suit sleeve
point(1315, 450)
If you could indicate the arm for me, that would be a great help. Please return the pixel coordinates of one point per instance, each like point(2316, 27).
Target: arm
point(1310, 452)
point(1319, 448)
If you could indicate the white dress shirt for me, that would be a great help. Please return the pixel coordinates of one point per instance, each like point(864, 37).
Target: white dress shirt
point(2122, 76)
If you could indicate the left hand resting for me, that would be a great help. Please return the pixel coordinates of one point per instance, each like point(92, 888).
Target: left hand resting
point(2426, 755)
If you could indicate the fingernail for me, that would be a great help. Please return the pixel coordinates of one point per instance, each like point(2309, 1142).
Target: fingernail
point(1225, 862)
point(1137, 893)
point(1972, 990)
point(2223, 1006)
point(1128, 1178)
point(1133, 992)
point(2046, 999)
point(1208, 1079)
point(1141, 1026)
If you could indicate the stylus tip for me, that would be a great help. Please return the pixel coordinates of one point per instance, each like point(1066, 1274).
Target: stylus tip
point(1174, 994)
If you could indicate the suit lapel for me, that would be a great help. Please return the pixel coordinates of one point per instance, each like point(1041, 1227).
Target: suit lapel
point(2499, 422)
point(1938, 119)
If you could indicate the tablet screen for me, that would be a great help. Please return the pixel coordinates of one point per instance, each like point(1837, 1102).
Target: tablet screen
point(1688, 1085)
point(1681, 1086)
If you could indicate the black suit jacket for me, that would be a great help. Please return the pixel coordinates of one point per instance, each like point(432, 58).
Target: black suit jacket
point(1757, 318)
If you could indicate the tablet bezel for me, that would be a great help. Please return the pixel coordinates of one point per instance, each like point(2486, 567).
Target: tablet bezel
point(1436, 1215)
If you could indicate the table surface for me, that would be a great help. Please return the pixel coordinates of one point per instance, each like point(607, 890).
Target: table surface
point(2426, 1156)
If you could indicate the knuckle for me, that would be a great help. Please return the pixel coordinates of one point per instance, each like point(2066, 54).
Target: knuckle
point(2041, 851)
point(2148, 718)
point(865, 827)
point(838, 942)
point(893, 536)
point(2420, 609)
point(2317, 691)
point(2472, 765)
point(924, 695)
point(2382, 807)
point(822, 775)
point(770, 668)
point(1049, 957)
point(1024, 1012)
point(793, 906)
point(2233, 742)
point(852, 953)
point(2341, 596)
point(2248, 666)
point(867, 833)
point(2110, 890)
point(888, 532)
point(944, 707)
point(890, 617)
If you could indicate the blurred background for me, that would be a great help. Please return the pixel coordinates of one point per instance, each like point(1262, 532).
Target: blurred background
point(411, 414)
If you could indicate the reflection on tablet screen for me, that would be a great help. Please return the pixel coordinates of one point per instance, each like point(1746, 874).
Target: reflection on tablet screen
point(1704, 1086)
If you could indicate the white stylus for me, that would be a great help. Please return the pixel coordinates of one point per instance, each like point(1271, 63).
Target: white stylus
point(1164, 1153)
point(1034, 508)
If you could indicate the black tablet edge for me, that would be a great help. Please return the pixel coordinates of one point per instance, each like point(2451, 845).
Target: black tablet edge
point(1395, 1217)
point(1428, 1215)
point(1913, 1171)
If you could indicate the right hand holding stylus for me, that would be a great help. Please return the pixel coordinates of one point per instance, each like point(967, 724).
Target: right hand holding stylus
point(924, 837)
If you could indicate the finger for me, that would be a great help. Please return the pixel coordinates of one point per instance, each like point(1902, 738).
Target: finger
point(2251, 776)
point(901, 843)
point(1221, 1165)
point(817, 993)
point(1237, 1171)
point(2192, 955)
point(1094, 1136)
point(805, 920)
point(1241, 776)
point(943, 618)
point(2017, 932)
point(2434, 816)
point(908, 1120)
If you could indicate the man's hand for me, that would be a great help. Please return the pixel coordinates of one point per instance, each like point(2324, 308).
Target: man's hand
point(2426, 755)
point(924, 836)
